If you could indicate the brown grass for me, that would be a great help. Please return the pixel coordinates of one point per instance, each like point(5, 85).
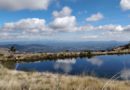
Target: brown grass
point(14, 80)
point(60, 55)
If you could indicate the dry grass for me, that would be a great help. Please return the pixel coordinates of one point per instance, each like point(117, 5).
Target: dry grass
point(55, 56)
point(14, 80)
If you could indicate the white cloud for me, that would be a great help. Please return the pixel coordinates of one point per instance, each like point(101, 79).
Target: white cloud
point(30, 27)
point(105, 32)
point(64, 24)
point(109, 27)
point(29, 24)
point(127, 28)
point(125, 4)
point(25, 29)
point(4, 35)
point(64, 21)
point(87, 27)
point(24, 4)
point(89, 37)
point(95, 17)
point(66, 11)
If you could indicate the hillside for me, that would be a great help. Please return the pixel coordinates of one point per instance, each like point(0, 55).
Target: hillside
point(123, 47)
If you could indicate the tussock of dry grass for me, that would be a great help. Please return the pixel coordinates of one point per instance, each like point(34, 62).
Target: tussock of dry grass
point(13, 80)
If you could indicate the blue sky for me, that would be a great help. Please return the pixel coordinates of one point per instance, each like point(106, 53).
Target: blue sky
point(70, 20)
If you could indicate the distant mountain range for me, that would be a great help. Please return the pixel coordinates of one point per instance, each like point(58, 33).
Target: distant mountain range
point(62, 46)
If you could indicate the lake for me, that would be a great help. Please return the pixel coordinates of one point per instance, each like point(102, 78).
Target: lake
point(106, 66)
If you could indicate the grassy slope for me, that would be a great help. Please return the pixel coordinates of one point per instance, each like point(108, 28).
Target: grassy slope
point(13, 80)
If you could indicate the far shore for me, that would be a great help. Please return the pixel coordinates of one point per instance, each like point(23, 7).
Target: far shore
point(60, 55)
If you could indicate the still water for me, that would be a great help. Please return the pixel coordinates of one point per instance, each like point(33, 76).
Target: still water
point(100, 66)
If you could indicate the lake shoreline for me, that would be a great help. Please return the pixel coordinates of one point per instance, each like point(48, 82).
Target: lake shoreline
point(61, 55)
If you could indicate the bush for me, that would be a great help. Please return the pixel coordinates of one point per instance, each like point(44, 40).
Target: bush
point(1, 55)
point(89, 54)
point(82, 54)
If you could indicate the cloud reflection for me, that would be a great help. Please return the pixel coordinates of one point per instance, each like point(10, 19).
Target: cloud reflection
point(65, 65)
point(125, 74)
point(95, 61)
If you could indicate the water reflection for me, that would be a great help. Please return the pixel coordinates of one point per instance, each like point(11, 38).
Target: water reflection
point(102, 66)
point(65, 65)
point(95, 61)
point(125, 74)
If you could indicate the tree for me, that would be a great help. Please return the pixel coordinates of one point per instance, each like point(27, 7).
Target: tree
point(89, 54)
point(12, 49)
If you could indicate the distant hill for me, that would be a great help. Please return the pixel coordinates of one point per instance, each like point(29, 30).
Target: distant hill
point(28, 48)
point(63, 46)
point(122, 47)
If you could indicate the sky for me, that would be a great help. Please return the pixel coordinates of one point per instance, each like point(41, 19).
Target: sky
point(65, 20)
